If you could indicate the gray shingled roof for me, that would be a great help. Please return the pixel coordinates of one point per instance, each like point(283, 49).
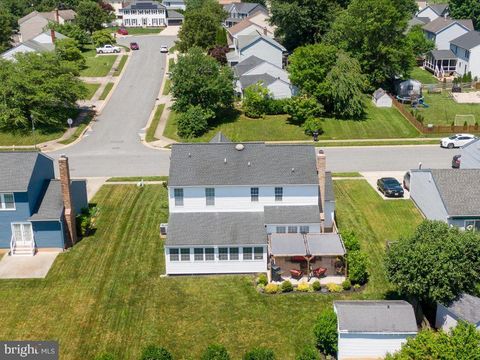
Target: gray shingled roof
point(325, 244)
point(329, 194)
point(286, 214)
point(139, 5)
point(458, 189)
point(172, 14)
point(220, 138)
point(243, 7)
point(216, 228)
point(200, 164)
point(467, 41)
point(264, 79)
point(441, 23)
point(467, 308)
point(439, 8)
point(443, 54)
point(17, 168)
point(245, 40)
point(387, 316)
point(378, 93)
point(248, 64)
point(50, 205)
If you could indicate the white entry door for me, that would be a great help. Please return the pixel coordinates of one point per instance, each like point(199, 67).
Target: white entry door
point(23, 233)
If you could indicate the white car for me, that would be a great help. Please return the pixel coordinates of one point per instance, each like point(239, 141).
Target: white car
point(163, 49)
point(107, 49)
point(456, 140)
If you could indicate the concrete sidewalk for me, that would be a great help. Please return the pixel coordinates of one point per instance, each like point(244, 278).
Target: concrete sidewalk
point(27, 267)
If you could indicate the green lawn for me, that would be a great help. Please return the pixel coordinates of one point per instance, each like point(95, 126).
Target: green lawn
point(26, 138)
point(91, 90)
point(442, 109)
point(166, 88)
point(424, 76)
point(121, 65)
point(150, 135)
point(379, 123)
point(98, 66)
point(137, 178)
point(139, 30)
point(106, 294)
point(346, 174)
point(106, 91)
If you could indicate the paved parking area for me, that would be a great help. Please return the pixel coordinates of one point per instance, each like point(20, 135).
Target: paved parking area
point(26, 267)
point(373, 176)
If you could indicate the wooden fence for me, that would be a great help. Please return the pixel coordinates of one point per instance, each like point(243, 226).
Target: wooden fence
point(433, 129)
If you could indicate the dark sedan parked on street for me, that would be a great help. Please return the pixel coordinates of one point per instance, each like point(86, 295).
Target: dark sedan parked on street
point(390, 187)
point(456, 161)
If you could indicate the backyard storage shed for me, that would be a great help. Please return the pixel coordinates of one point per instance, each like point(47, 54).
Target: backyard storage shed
point(466, 308)
point(381, 99)
point(371, 329)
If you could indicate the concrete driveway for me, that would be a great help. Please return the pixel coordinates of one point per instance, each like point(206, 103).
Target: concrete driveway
point(171, 30)
point(27, 267)
point(373, 176)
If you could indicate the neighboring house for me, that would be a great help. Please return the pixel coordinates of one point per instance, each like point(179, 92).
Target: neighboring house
point(41, 43)
point(470, 155)
point(37, 212)
point(443, 30)
point(258, 45)
point(381, 99)
point(449, 195)
point(467, 50)
point(34, 23)
point(246, 27)
point(371, 329)
point(117, 6)
point(175, 4)
point(230, 202)
point(174, 17)
point(441, 62)
point(254, 70)
point(466, 308)
point(238, 11)
point(434, 11)
point(144, 14)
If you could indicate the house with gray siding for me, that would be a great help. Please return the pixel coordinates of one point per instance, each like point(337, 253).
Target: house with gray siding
point(43, 42)
point(467, 50)
point(241, 10)
point(470, 155)
point(434, 11)
point(443, 30)
point(37, 211)
point(232, 205)
point(371, 329)
point(449, 195)
point(465, 308)
point(36, 22)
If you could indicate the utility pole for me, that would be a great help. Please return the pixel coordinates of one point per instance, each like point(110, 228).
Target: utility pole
point(33, 130)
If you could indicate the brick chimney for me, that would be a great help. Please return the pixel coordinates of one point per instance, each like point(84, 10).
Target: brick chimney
point(57, 16)
point(52, 35)
point(64, 171)
point(321, 166)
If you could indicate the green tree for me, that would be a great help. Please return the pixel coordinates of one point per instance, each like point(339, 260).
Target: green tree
point(436, 264)
point(38, 85)
point(198, 79)
point(199, 29)
point(465, 9)
point(215, 352)
point(325, 331)
point(418, 42)
point(461, 343)
point(343, 88)
point(67, 50)
point(357, 267)
point(91, 16)
point(301, 22)
point(153, 352)
point(372, 31)
point(255, 100)
point(102, 37)
point(259, 353)
point(72, 31)
point(5, 28)
point(302, 108)
point(193, 122)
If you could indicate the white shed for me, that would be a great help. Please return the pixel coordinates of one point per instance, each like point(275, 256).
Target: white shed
point(381, 99)
point(371, 329)
point(466, 308)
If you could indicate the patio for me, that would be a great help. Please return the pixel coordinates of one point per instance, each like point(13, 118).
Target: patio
point(27, 267)
point(441, 62)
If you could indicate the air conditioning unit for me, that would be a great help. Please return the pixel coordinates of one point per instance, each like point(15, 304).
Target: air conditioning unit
point(163, 229)
point(470, 227)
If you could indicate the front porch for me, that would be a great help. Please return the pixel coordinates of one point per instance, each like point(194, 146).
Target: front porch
point(441, 63)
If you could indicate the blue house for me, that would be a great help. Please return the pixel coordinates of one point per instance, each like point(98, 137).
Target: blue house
point(37, 211)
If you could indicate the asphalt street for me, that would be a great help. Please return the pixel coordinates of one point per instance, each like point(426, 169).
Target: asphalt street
point(113, 146)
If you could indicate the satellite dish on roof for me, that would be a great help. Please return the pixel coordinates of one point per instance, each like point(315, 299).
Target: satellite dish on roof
point(239, 147)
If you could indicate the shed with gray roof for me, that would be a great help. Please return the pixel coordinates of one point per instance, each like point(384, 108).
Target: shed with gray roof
point(466, 308)
point(371, 329)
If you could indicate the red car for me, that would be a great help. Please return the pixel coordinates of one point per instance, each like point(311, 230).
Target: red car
point(134, 46)
point(122, 31)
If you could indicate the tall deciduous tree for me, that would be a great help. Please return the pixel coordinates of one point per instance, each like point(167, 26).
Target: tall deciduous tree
point(72, 31)
point(372, 31)
point(418, 41)
point(436, 264)
point(5, 28)
point(91, 16)
point(199, 29)
point(301, 22)
point(38, 85)
point(465, 9)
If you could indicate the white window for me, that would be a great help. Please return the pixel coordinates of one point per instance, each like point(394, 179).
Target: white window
point(258, 253)
point(174, 255)
point(210, 254)
point(7, 201)
point(140, 12)
point(126, 12)
point(254, 194)
point(127, 22)
point(210, 196)
point(292, 229)
point(178, 194)
point(281, 229)
point(185, 254)
point(304, 229)
point(247, 253)
point(222, 254)
point(278, 194)
point(234, 253)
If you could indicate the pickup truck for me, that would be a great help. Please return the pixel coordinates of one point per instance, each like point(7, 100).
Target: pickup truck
point(106, 49)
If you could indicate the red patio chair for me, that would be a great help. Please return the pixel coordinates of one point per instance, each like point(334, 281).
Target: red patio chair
point(319, 272)
point(296, 274)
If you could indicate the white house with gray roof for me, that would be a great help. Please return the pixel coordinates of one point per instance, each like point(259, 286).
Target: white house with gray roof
point(371, 329)
point(239, 11)
point(144, 13)
point(449, 195)
point(467, 50)
point(470, 155)
point(443, 30)
point(227, 201)
point(43, 42)
point(465, 308)
point(433, 11)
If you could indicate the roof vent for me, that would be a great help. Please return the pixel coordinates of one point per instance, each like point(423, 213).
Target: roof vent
point(189, 155)
point(225, 160)
point(239, 147)
point(249, 163)
point(293, 170)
